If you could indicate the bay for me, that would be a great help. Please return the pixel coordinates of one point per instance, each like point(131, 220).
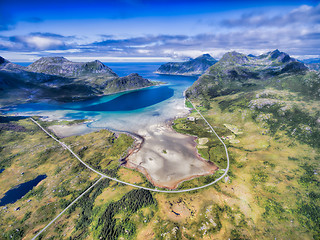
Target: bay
point(123, 111)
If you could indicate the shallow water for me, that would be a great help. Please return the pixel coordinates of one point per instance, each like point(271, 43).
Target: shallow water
point(129, 111)
point(145, 112)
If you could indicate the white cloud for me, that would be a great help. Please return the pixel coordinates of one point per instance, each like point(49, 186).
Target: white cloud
point(64, 51)
point(42, 43)
point(120, 59)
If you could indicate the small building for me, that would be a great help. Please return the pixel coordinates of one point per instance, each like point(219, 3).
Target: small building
point(191, 119)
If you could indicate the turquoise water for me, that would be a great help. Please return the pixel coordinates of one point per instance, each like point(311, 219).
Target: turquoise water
point(124, 111)
point(134, 100)
point(19, 191)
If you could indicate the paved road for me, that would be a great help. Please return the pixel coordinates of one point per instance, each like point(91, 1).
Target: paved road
point(133, 185)
point(65, 209)
point(146, 188)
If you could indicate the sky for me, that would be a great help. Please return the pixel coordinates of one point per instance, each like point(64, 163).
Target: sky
point(156, 30)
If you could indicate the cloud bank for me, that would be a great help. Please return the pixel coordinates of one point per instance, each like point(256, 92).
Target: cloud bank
point(296, 32)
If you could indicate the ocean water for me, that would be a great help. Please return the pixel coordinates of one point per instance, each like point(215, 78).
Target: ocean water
point(129, 111)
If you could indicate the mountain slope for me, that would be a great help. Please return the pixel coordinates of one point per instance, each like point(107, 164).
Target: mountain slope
point(63, 67)
point(56, 78)
point(8, 66)
point(132, 81)
point(313, 66)
point(273, 88)
point(238, 72)
point(192, 67)
point(266, 109)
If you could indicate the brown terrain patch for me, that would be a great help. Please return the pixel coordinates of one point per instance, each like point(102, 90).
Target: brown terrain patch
point(168, 158)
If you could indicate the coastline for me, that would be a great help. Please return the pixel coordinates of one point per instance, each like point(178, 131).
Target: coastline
point(177, 74)
point(168, 158)
point(155, 83)
point(180, 163)
point(8, 107)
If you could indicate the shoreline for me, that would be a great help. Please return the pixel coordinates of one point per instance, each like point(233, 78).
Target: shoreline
point(5, 108)
point(156, 83)
point(168, 158)
point(148, 137)
point(175, 184)
point(175, 74)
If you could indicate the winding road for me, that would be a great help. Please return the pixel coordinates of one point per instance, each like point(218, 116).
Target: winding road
point(130, 184)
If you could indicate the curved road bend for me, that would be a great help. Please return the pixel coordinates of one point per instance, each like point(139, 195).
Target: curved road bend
point(133, 185)
point(146, 188)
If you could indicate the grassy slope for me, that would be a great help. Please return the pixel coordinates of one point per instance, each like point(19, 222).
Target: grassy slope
point(275, 173)
point(25, 148)
point(272, 190)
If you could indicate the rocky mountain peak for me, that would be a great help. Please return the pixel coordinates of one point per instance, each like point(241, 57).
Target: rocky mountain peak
point(9, 66)
point(191, 67)
point(274, 54)
point(96, 65)
point(206, 57)
point(3, 60)
point(52, 60)
point(234, 57)
point(66, 68)
point(280, 56)
point(134, 75)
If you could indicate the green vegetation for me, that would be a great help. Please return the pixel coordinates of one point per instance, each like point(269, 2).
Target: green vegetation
point(110, 228)
point(271, 190)
point(188, 104)
point(276, 158)
point(214, 150)
point(85, 206)
point(102, 150)
point(27, 149)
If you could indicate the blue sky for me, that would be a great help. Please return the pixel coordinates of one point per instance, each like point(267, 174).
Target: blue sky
point(156, 30)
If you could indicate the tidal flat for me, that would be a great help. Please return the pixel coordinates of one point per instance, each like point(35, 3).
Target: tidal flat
point(167, 158)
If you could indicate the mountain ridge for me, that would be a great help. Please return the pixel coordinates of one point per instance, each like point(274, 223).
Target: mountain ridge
point(63, 67)
point(59, 79)
point(191, 67)
point(236, 71)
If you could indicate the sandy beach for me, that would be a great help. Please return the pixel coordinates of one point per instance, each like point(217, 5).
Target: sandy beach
point(168, 158)
point(63, 131)
point(165, 157)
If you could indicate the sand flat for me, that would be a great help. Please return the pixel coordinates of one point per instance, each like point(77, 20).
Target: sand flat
point(167, 158)
point(63, 131)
